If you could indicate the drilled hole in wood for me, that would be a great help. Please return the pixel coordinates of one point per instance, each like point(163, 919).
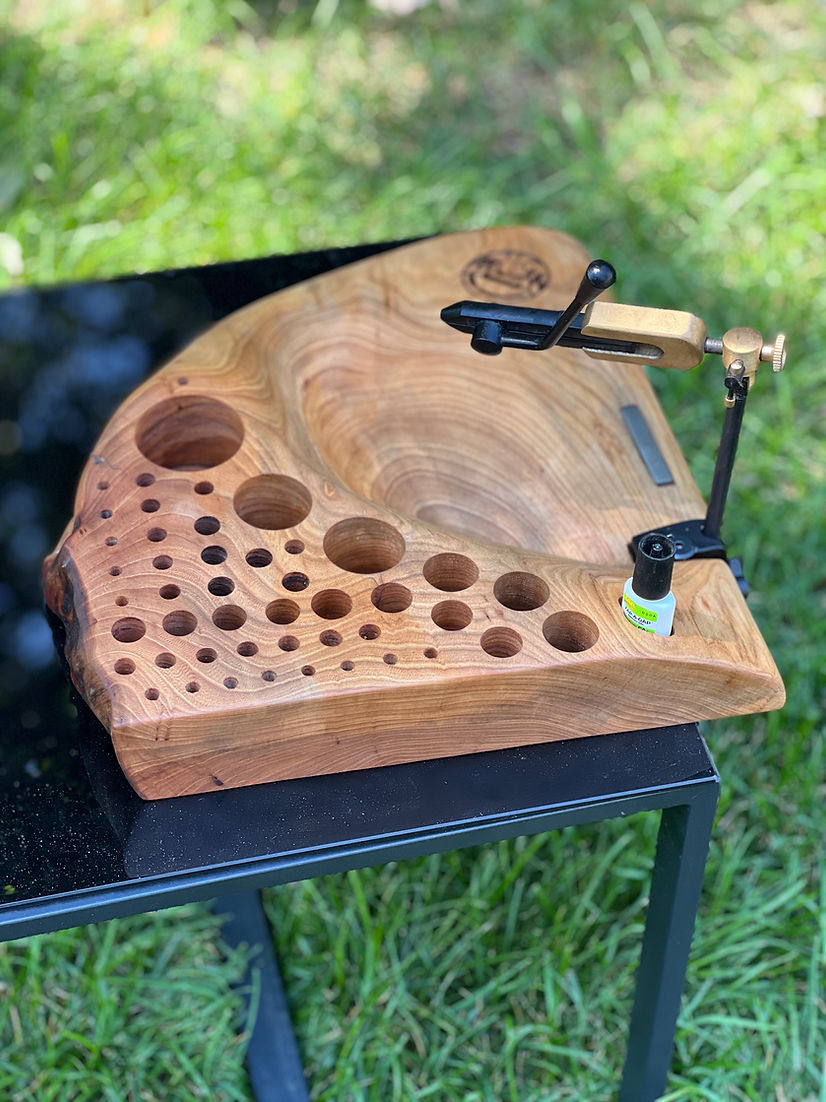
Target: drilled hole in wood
point(294, 547)
point(363, 545)
point(431, 652)
point(189, 433)
point(165, 660)
point(156, 535)
point(111, 541)
point(121, 601)
point(570, 631)
point(124, 666)
point(114, 571)
point(521, 591)
point(247, 649)
point(203, 487)
point(214, 554)
point(145, 479)
point(331, 604)
point(230, 682)
point(330, 638)
point(451, 615)
point(308, 671)
point(170, 592)
point(229, 617)
point(179, 622)
point(282, 611)
point(192, 687)
point(268, 675)
point(207, 526)
point(162, 562)
point(450, 572)
point(206, 655)
point(348, 665)
point(103, 485)
point(288, 643)
point(104, 514)
point(151, 694)
point(272, 501)
point(501, 642)
point(150, 505)
point(390, 659)
point(391, 597)
point(258, 556)
point(220, 587)
point(129, 630)
point(369, 631)
point(295, 581)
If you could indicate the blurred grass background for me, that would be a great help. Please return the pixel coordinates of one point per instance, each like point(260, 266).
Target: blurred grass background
point(685, 142)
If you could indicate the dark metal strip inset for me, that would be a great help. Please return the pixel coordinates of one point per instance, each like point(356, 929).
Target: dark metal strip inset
point(646, 445)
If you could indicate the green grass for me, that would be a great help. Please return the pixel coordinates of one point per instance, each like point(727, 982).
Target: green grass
point(684, 141)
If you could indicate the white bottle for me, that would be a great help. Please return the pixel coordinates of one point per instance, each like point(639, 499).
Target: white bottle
point(647, 600)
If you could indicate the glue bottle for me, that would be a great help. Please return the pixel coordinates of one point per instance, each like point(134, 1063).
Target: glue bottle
point(647, 600)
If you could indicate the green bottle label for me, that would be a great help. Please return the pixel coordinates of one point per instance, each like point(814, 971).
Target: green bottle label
point(642, 617)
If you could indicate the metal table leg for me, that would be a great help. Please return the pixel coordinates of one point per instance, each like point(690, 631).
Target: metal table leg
point(273, 1060)
point(682, 849)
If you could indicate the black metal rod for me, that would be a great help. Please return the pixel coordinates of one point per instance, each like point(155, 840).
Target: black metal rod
point(726, 454)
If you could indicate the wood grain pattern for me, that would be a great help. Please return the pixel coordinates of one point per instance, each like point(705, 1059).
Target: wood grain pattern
point(329, 535)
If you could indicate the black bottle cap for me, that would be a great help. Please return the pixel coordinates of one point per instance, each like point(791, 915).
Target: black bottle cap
point(654, 566)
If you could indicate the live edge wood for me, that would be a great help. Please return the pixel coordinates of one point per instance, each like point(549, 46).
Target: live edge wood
point(329, 535)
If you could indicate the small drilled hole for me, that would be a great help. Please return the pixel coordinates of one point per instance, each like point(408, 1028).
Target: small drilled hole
point(121, 601)
point(450, 572)
point(124, 666)
point(521, 591)
point(272, 501)
point(207, 526)
point(247, 650)
point(129, 630)
point(295, 581)
point(170, 592)
point(145, 479)
point(105, 514)
point(111, 541)
point(114, 571)
point(391, 597)
point(203, 487)
point(268, 675)
point(151, 694)
point(165, 660)
point(330, 638)
point(156, 535)
point(369, 631)
point(282, 611)
point(151, 505)
point(103, 485)
point(348, 665)
point(331, 604)
point(294, 547)
point(206, 655)
point(259, 556)
point(179, 622)
point(288, 643)
point(230, 682)
point(390, 659)
point(221, 587)
point(192, 687)
point(431, 652)
point(308, 671)
point(214, 554)
point(570, 631)
point(501, 642)
point(451, 615)
point(162, 562)
point(229, 617)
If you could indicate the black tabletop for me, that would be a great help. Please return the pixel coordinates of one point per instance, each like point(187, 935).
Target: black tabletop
point(69, 823)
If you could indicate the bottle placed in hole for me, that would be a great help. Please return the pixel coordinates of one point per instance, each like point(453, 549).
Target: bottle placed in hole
point(647, 600)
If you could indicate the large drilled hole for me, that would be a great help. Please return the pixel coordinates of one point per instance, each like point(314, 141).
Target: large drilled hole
point(363, 545)
point(282, 611)
point(331, 604)
point(229, 617)
point(521, 591)
point(451, 615)
point(391, 597)
point(570, 631)
point(129, 630)
point(189, 433)
point(450, 572)
point(179, 622)
point(272, 501)
point(501, 642)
